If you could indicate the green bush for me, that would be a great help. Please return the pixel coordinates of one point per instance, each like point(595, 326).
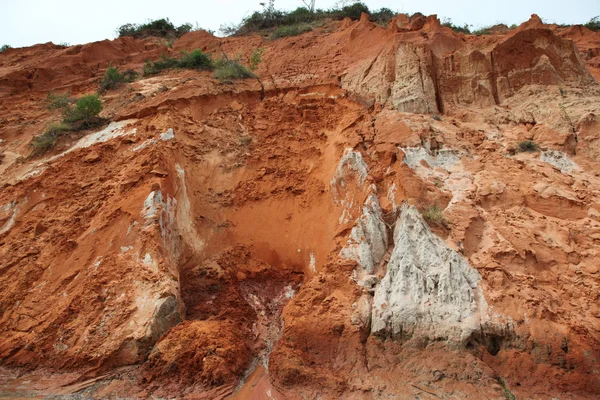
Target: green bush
point(227, 70)
point(352, 11)
point(113, 78)
point(256, 58)
point(196, 60)
point(270, 18)
point(291, 30)
point(5, 47)
point(85, 112)
point(527, 146)
point(464, 29)
point(47, 140)
point(55, 101)
point(593, 24)
point(165, 62)
point(159, 28)
point(486, 30)
point(383, 16)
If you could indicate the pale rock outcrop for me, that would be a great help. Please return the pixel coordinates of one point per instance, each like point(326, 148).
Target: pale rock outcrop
point(351, 173)
point(351, 163)
point(444, 158)
point(413, 90)
point(429, 290)
point(368, 239)
point(559, 160)
point(439, 73)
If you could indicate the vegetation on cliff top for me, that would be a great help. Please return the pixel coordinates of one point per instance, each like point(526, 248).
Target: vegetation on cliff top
point(593, 24)
point(301, 19)
point(158, 28)
point(280, 23)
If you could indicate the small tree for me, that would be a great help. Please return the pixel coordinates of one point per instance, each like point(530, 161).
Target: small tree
point(112, 79)
point(310, 4)
point(593, 24)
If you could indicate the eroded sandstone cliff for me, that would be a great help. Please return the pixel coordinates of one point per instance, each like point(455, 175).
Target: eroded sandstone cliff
point(356, 223)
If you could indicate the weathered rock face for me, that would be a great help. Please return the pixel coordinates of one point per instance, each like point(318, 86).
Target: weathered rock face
point(436, 72)
point(368, 239)
point(278, 240)
point(428, 290)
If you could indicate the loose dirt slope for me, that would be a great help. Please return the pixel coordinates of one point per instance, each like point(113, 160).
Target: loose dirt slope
point(356, 223)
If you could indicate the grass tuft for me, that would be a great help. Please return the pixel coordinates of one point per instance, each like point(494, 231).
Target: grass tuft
point(113, 78)
point(433, 215)
point(56, 101)
point(228, 70)
point(47, 140)
point(194, 60)
point(527, 146)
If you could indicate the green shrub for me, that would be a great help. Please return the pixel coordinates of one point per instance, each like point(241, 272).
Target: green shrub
point(55, 101)
point(47, 140)
point(352, 11)
point(270, 18)
point(159, 28)
point(448, 23)
point(486, 30)
point(5, 47)
point(593, 24)
point(227, 70)
point(383, 16)
point(527, 146)
point(85, 112)
point(256, 58)
point(433, 215)
point(165, 62)
point(290, 30)
point(113, 78)
point(196, 60)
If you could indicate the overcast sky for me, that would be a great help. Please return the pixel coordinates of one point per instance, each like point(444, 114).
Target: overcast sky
point(27, 22)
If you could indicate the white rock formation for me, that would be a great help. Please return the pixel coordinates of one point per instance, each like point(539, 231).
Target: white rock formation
point(429, 290)
point(368, 239)
point(353, 161)
point(445, 158)
point(559, 160)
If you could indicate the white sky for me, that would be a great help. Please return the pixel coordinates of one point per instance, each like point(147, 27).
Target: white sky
point(27, 22)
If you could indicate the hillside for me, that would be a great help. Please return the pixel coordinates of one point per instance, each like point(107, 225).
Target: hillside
point(397, 211)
